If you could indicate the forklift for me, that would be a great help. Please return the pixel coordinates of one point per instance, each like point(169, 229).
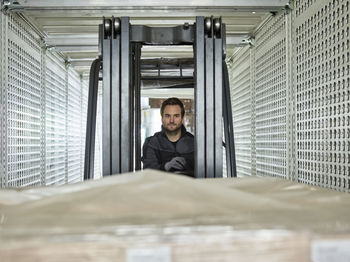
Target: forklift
point(119, 60)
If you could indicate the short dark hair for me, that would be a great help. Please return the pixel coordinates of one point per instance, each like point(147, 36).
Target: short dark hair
point(172, 101)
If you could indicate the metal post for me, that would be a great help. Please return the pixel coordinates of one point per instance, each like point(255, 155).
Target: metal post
point(115, 95)
point(253, 110)
point(229, 136)
point(106, 98)
point(218, 58)
point(2, 173)
point(226, 131)
point(291, 157)
point(200, 155)
point(43, 118)
point(3, 104)
point(137, 108)
point(209, 99)
point(125, 96)
point(132, 109)
point(66, 169)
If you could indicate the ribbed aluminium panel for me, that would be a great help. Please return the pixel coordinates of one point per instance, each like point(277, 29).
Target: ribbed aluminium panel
point(23, 106)
point(323, 92)
point(56, 95)
point(270, 101)
point(241, 110)
point(74, 114)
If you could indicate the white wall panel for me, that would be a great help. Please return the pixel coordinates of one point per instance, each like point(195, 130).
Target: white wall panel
point(302, 95)
point(98, 135)
point(74, 128)
point(259, 101)
point(23, 91)
point(323, 92)
point(43, 112)
point(241, 110)
point(270, 101)
point(56, 95)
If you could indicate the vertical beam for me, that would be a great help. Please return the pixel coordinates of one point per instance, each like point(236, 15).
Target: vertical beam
point(209, 102)
point(200, 157)
point(218, 105)
point(106, 100)
point(229, 135)
point(82, 156)
point(291, 131)
point(66, 118)
point(1, 102)
point(132, 109)
point(253, 108)
point(137, 88)
point(125, 96)
point(43, 118)
point(3, 98)
point(226, 133)
point(91, 120)
point(115, 94)
point(100, 39)
point(227, 127)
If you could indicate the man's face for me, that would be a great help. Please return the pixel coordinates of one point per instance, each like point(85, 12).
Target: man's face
point(171, 118)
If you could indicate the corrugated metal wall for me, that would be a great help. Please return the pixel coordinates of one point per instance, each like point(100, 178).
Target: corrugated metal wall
point(298, 109)
point(43, 112)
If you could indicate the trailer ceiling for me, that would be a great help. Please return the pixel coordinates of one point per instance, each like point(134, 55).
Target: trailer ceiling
point(71, 27)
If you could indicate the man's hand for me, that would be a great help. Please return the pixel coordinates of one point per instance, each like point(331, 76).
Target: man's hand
point(176, 164)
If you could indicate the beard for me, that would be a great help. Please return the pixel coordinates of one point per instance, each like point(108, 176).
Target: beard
point(173, 130)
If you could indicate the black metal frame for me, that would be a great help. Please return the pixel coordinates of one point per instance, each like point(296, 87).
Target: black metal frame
point(120, 45)
point(200, 138)
point(137, 104)
point(91, 120)
point(106, 97)
point(228, 123)
point(209, 57)
point(115, 96)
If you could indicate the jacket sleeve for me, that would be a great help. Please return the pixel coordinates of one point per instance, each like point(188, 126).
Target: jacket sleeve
point(150, 157)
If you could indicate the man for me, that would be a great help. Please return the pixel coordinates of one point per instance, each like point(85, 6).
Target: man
point(172, 149)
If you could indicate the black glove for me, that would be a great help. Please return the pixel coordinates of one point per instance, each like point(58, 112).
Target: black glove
point(176, 164)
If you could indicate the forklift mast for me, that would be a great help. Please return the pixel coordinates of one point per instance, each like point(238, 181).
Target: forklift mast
point(120, 46)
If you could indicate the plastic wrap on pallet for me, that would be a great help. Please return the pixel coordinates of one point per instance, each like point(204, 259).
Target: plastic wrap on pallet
point(165, 217)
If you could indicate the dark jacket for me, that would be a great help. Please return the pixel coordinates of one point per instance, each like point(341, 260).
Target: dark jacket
point(158, 150)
